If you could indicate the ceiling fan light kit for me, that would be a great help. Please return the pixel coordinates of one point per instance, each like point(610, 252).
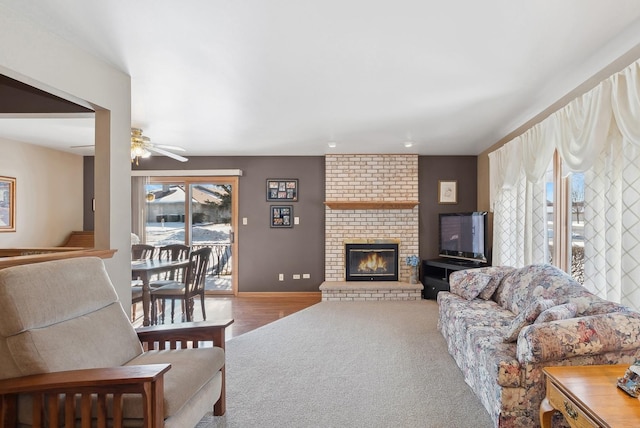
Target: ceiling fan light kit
point(141, 147)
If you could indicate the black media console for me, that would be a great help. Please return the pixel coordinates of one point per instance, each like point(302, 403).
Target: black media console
point(435, 274)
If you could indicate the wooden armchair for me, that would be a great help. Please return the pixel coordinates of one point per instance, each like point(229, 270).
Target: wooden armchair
point(78, 360)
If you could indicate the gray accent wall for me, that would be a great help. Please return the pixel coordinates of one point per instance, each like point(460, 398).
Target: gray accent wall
point(266, 252)
point(430, 170)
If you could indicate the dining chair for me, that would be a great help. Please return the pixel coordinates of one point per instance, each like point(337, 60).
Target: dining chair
point(171, 252)
point(187, 290)
point(139, 252)
point(136, 297)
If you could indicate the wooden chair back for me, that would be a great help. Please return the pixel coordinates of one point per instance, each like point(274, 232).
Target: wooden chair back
point(173, 252)
point(142, 252)
point(197, 272)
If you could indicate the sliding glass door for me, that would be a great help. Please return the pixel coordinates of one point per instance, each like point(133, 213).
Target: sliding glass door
point(199, 212)
point(211, 226)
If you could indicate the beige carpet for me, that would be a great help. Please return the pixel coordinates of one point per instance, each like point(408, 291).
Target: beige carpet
point(348, 364)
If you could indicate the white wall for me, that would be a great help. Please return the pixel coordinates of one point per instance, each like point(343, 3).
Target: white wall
point(48, 194)
point(37, 57)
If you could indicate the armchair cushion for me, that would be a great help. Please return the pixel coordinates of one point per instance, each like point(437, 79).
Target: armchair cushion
point(105, 338)
point(43, 337)
point(191, 370)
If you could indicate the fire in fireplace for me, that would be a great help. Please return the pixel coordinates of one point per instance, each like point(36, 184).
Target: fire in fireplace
point(371, 262)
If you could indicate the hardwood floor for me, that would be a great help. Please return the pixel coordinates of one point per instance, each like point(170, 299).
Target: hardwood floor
point(248, 313)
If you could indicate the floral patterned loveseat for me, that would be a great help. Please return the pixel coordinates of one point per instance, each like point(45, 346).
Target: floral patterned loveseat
point(503, 325)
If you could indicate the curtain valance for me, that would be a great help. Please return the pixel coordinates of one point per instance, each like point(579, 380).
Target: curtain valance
point(579, 131)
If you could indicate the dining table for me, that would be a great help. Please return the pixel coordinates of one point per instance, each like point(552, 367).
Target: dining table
point(145, 269)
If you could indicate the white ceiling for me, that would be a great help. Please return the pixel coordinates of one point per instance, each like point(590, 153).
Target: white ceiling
point(284, 77)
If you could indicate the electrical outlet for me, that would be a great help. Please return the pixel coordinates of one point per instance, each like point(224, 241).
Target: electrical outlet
point(296, 220)
point(280, 277)
point(306, 276)
point(296, 276)
point(244, 221)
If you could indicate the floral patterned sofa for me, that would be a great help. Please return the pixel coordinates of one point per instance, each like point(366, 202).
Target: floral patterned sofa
point(503, 325)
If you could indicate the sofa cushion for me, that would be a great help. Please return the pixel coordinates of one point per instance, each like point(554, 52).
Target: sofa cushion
point(468, 283)
point(497, 273)
point(526, 317)
point(586, 302)
point(517, 287)
point(479, 282)
point(558, 312)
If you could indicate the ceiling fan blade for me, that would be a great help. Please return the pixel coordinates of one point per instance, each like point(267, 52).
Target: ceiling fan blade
point(155, 149)
point(82, 147)
point(163, 146)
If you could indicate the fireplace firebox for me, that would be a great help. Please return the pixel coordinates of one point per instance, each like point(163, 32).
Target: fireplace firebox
point(371, 262)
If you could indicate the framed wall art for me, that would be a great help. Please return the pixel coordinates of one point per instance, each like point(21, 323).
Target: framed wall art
point(282, 189)
point(7, 204)
point(281, 215)
point(447, 191)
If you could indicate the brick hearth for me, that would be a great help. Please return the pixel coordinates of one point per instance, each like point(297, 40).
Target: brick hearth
point(369, 290)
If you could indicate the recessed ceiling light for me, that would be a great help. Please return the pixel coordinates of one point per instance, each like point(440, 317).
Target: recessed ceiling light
point(408, 144)
point(331, 144)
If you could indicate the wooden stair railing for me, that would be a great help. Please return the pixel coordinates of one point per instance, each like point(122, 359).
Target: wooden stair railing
point(81, 238)
point(77, 244)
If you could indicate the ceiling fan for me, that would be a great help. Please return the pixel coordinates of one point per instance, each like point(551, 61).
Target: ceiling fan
point(142, 147)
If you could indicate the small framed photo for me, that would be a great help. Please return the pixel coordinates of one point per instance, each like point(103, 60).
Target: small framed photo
point(7, 204)
point(281, 215)
point(282, 189)
point(447, 191)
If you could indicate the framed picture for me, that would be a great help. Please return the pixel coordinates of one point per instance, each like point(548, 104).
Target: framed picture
point(7, 204)
point(447, 191)
point(282, 189)
point(281, 215)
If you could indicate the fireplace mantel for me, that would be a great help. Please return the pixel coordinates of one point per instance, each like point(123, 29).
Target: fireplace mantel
point(371, 205)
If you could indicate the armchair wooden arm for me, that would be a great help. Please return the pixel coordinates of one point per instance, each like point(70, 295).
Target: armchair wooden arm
point(185, 334)
point(189, 334)
point(46, 391)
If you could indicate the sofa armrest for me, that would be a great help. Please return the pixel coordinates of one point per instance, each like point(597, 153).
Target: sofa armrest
point(161, 336)
point(583, 336)
point(46, 390)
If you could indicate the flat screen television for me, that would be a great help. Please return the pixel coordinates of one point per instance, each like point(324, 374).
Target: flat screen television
point(463, 236)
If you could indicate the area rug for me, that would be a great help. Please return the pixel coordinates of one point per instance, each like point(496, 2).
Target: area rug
point(348, 364)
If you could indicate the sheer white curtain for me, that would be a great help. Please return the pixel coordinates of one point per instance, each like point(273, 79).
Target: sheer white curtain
point(612, 230)
point(138, 206)
point(507, 199)
point(598, 134)
point(518, 199)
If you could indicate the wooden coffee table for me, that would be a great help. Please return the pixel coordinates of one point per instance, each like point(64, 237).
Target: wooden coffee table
point(588, 396)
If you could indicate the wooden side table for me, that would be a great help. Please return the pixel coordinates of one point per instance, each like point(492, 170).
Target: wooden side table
point(588, 396)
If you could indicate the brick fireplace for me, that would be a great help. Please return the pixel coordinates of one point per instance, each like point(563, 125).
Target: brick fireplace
point(370, 198)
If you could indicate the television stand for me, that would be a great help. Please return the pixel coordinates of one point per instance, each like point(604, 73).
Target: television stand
point(435, 274)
